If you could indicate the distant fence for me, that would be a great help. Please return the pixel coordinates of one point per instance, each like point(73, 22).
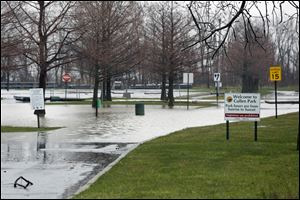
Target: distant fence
point(152, 86)
point(25, 85)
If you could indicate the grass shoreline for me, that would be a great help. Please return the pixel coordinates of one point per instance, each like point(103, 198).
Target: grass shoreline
point(162, 103)
point(200, 163)
point(6, 129)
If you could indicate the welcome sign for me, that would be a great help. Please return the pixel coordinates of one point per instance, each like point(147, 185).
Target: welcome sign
point(242, 106)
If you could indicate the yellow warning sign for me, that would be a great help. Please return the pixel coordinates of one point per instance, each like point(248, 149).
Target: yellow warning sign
point(275, 73)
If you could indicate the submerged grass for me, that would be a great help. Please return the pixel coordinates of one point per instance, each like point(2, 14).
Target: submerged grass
point(26, 129)
point(125, 102)
point(201, 163)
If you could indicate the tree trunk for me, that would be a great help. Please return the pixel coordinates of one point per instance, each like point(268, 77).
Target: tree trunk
point(163, 95)
point(170, 91)
point(108, 88)
point(42, 48)
point(96, 87)
point(56, 76)
point(43, 78)
point(207, 77)
point(249, 83)
point(104, 94)
point(7, 80)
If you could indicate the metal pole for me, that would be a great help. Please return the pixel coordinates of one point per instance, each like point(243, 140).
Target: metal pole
point(218, 93)
point(276, 99)
point(227, 129)
point(79, 90)
point(255, 131)
point(298, 138)
point(38, 120)
point(97, 109)
point(188, 90)
point(102, 92)
point(65, 90)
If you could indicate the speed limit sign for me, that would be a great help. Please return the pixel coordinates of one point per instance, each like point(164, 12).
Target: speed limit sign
point(275, 73)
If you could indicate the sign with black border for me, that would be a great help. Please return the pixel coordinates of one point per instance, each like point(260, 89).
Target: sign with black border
point(242, 106)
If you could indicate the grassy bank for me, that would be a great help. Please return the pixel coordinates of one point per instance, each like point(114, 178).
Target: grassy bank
point(26, 129)
point(263, 89)
point(200, 163)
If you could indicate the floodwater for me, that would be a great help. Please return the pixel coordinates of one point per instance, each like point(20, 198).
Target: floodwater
point(60, 162)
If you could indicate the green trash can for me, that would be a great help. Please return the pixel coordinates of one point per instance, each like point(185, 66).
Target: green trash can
point(98, 103)
point(139, 109)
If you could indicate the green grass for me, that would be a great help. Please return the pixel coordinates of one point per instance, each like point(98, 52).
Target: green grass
point(26, 129)
point(70, 103)
point(164, 103)
point(201, 163)
point(124, 99)
point(262, 90)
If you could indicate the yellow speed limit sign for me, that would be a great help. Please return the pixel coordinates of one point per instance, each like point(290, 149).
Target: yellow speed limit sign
point(275, 73)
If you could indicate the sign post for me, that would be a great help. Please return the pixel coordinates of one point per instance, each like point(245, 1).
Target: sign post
point(275, 75)
point(298, 138)
point(37, 102)
point(242, 106)
point(187, 79)
point(66, 78)
point(217, 79)
point(227, 129)
point(98, 105)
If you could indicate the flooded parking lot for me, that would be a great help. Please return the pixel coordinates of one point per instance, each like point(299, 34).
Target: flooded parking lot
point(60, 162)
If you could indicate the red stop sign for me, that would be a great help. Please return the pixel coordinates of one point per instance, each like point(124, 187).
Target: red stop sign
point(66, 77)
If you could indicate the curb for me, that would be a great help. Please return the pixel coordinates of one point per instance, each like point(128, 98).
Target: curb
point(106, 169)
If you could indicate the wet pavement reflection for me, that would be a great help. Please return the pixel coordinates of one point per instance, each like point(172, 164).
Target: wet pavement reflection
point(57, 169)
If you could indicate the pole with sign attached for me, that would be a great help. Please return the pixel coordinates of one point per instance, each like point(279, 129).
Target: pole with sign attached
point(217, 78)
point(275, 75)
point(66, 78)
point(188, 78)
point(242, 107)
point(37, 102)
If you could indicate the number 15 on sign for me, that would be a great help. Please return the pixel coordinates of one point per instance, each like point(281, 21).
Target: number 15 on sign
point(275, 73)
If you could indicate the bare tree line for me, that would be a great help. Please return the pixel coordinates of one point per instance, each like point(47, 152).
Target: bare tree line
point(168, 32)
point(110, 41)
point(101, 41)
point(225, 23)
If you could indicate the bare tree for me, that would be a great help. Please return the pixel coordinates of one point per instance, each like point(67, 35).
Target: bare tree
point(111, 40)
point(41, 23)
point(12, 46)
point(250, 64)
point(287, 51)
point(231, 12)
point(157, 43)
point(169, 30)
